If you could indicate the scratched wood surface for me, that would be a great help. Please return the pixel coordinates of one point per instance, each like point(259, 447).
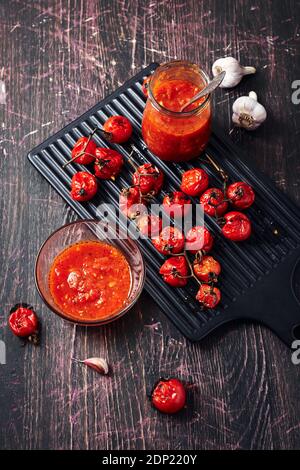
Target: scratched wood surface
point(57, 59)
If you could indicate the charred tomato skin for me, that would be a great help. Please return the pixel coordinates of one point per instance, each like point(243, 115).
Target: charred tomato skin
point(108, 163)
point(236, 226)
point(241, 195)
point(119, 127)
point(168, 395)
point(207, 269)
point(87, 148)
point(84, 186)
point(200, 237)
point(148, 178)
point(149, 225)
point(208, 296)
point(129, 197)
point(177, 204)
point(213, 202)
point(23, 322)
point(172, 270)
point(194, 182)
point(170, 241)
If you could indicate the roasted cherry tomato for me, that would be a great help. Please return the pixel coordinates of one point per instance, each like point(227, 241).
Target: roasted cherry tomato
point(170, 240)
point(148, 178)
point(194, 182)
point(199, 238)
point(108, 163)
point(208, 296)
point(207, 268)
point(241, 195)
point(149, 225)
point(83, 186)
point(24, 323)
point(213, 202)
point(129, 197)
point(119, 127)
point(169, 396)
point(85, 148)
point(237, 226)
point(175, 271)
point(137, 211)
point(177, 204)
point(145, 85)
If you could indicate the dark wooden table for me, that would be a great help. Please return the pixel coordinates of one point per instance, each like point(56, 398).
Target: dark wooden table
point(58, 58)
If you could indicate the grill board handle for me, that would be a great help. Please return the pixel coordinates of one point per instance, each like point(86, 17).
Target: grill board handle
point(273, 302)
point(279, 307)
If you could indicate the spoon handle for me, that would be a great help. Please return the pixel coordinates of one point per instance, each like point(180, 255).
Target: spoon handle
point(213, 84)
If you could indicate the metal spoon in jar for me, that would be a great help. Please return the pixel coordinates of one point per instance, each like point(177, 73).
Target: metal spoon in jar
point(213, 84)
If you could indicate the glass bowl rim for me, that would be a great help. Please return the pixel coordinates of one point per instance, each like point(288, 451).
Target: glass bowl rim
point(92, 322)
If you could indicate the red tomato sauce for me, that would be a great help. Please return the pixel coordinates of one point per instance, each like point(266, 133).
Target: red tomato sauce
point(176, 138)
point(90, 280)
point(174, 94)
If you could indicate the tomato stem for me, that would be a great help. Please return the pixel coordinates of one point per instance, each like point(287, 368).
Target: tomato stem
point(219, 169)
point(34, 339)
point(191, 268)
point(82, 152)
point(107, 135)
point(87, 143)
point(76, 360)
point(183, 277)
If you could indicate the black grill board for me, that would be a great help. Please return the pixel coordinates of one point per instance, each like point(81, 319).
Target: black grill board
point(257, 281)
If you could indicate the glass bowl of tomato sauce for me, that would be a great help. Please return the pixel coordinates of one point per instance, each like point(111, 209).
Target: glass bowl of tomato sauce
point(170, 134)
point(89, 273)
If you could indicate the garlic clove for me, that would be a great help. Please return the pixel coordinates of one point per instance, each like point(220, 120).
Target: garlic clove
point(99, 364)
point(247, 112)
point(253, 95)
point(234, 71)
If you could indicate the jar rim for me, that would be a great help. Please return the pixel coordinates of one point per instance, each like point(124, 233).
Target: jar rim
point(164, 110)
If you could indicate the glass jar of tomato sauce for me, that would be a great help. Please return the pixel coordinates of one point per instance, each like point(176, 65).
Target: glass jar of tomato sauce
point(170, 134)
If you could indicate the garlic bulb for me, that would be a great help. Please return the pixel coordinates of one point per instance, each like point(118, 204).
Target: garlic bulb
point(234, 71)
point(247, 112)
